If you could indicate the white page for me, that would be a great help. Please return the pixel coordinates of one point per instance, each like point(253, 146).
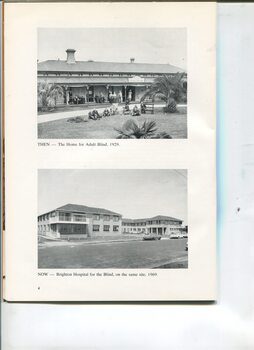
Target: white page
point(26, 158)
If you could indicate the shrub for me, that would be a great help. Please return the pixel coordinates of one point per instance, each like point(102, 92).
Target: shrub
point(171, 107)
point(147, 130)
point(76, 120)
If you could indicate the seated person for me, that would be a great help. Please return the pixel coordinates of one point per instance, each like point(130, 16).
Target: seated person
point(143, 107)
point(106, 112)
point(94, 115)
point(126, 108)
point(136, 111)
point(102, 98)
point(113, 109)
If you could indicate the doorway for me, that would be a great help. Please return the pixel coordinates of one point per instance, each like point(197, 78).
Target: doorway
point(130, 93)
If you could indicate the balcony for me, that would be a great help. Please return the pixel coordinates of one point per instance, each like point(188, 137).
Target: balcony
point(68, 220)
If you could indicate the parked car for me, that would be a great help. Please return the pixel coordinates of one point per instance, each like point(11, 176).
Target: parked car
point(151, 237)
point(175, 235)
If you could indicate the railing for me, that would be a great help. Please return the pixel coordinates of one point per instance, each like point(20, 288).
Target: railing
point(65, 220)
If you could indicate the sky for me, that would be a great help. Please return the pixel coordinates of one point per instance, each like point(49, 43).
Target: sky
point(132, 193)
point(146, 45)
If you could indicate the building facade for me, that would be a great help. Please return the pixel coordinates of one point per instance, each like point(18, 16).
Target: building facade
point(90, 81)
point(73, 221)
point(159, 225)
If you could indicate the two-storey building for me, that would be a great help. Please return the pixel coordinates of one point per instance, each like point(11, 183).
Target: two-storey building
point(159, 225)
point(73, 221)
point(93, 81)
point(78, 221)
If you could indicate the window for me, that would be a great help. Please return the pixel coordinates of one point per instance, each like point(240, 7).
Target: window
point(115, 228)
point(96, 217)
point(96, 228)
point(79, 217)
point(77, 229)
point(64, 216)
point(115, 218)
point(106, 217)
point(106, 228)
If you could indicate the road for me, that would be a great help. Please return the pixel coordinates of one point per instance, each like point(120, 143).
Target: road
point(129, 254)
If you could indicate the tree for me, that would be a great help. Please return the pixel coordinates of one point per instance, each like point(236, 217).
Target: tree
point(48, 94)
point(168, 88)
point(131, 130)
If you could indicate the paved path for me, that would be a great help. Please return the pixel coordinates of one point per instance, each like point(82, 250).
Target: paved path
point(70, 114)
point(59, 242)
point(75, 113)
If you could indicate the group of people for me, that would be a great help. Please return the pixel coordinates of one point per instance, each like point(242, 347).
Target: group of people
point(100, 98)
point(107, 112)
point(136, 111)
point(77, 100)
point(118, 98)
point(113, 110)
point(115, 98)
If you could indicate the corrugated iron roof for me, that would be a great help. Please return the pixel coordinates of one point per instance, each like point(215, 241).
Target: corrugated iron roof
point(106, 67)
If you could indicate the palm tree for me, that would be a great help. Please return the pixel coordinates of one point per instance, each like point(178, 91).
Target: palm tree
point(48, 94)
point(132, 130)
point(168, 88)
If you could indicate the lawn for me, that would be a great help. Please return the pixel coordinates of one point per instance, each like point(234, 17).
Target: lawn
point(174, 124)
point(132, 254)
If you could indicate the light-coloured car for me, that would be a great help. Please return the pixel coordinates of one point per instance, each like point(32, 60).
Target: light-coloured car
point(175, 235)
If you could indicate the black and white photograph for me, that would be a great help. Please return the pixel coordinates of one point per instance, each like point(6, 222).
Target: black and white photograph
point(112, 83)
point(112, 218)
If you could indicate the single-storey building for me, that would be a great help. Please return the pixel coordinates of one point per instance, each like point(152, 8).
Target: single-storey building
point(93, 81)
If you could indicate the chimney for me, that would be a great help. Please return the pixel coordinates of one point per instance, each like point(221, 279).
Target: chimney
point(132, 59)
point(70, 56)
